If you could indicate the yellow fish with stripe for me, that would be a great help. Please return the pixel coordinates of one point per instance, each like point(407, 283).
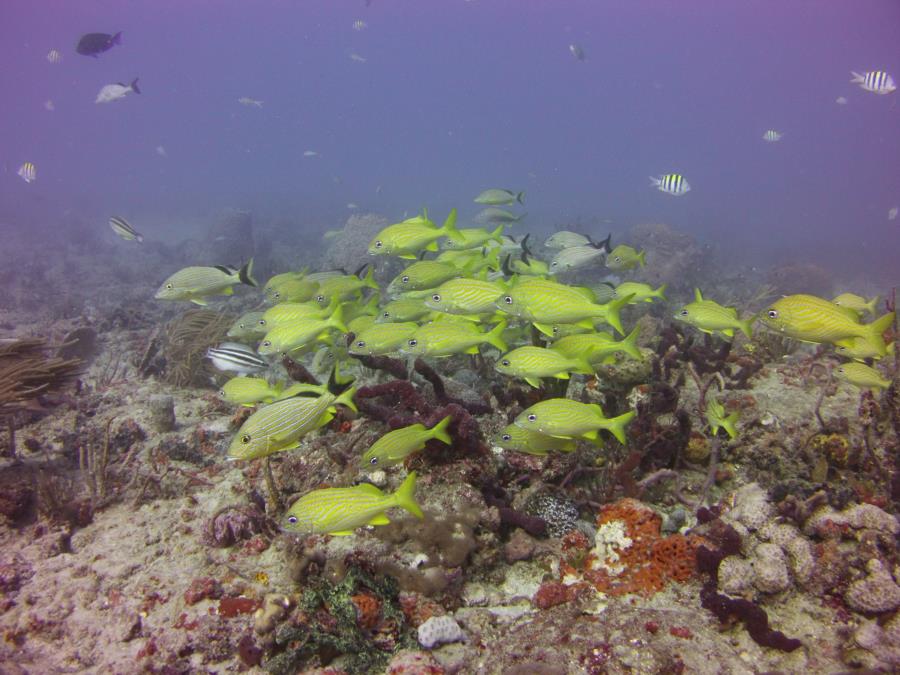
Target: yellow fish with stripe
point(397, 445)
point(445, 338)
point(465, 296)
point(280, 425)
point(862, 376)
point(198, 283)
point(289, 312)
point(474, 237)
point(406, 239)
point(249, 391)
point(595, 347)
point(530, 442)
point(857, 303)
point(711, 317)
point(533, 363)
point(860, 348)
point(812, 319)
point(565, 418)
point(300, 333)
point(340, 511)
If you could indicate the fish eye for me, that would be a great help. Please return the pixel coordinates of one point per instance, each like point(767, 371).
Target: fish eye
point(378, 244)
point(436, 297)
point(508, 300)
point(267, 343)
point(245, 439)
point(554, 264)
point(360, 343)
point(373, 461)
point(617, 259)
point(532, 418)
point(684, 312)
point(169, 286)
point(386, 315)
point(320, 298)
point(772, 314)
point(292, 520)
point(504, 362)
point(556, 330)
point(262, 322)
point(276, 294)
point(404, 279)
point(412, 343)
point(506, 437)
point(221, 392)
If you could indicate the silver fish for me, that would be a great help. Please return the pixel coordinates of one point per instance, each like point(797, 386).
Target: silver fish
point(492, 214)
point(124, 229)
point(113, 92)
point(236, 358)
point(250, 102)
point(574, 257)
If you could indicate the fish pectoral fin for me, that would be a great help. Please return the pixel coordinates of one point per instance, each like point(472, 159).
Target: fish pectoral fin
point(534, 382)
point(431, 246)
point(472, 350)
point(341, 533)
point(199, 301)
point(408, 256)
point(228, 291)
point(728, 332)
point(562, 376)
point(380, 519)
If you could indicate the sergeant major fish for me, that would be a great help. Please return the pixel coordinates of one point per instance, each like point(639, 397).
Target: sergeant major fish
point(875, 81)
point(672, 184)
point(237, 358)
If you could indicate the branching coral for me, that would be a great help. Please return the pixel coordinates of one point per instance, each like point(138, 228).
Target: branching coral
point(27, 371)
point(184, 343)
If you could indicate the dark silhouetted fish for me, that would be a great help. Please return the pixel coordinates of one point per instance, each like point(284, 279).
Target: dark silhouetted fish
point(92, 44)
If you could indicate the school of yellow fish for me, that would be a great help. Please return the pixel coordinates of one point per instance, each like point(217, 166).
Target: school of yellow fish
point(466, 291)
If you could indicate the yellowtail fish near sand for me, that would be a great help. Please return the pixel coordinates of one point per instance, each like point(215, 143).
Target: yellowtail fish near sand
point(875, 81)
point(281, 425)
point(500, 197)
point(198, 283)
point(812, 319)
point(124, 229)
point(27, 172)
point(717, 419)
point(113, 92)
point(772, 136)
point(397, 445)
point(340, 511)
point(514, 437)
point(711, 317)
point(407, 238)
point(862, 376)
point(672, 184)
point(250, 102)
point(566, 418)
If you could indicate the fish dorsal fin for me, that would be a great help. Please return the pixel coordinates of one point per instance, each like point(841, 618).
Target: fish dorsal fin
point(121, 84)
point(224, 268)
point(370, 489)
point(698, 296)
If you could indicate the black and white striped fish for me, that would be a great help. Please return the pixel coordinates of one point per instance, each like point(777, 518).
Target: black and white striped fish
point(671, 183)
point(772, 136)
point(53, 56)
point(124, 229)
point(876, 81)
point(236, 358)
point(27, 172)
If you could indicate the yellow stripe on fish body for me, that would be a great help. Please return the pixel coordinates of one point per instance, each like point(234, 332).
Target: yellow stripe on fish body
point(397, 445)
point(280, 425)
point(300, 333)
point(532, 363)
point(594, 347)
point(545, 302)
point(465, 296)
point(383, 338)
point(423, 274)
point(445, 338)
point(813, 319)
point(709, 316)
point(275, 281)
point(249, 391)
point(531, 442)
point(403, 309)
point(360, 323)
point(624, 257)
point(640, 292)
point(566, 418)
point(406, 239)
point(861, 375)
point(197, 283)
point(340, 511)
